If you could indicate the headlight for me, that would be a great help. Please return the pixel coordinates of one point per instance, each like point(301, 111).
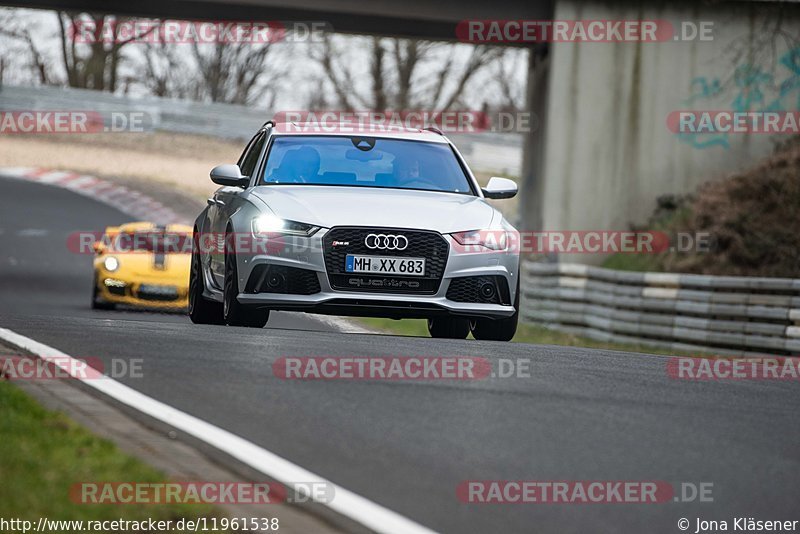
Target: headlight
point(474, 240)
point(272, 224)
point(111, 264)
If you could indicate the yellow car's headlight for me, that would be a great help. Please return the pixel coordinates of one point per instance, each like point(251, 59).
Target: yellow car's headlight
point(111, 264)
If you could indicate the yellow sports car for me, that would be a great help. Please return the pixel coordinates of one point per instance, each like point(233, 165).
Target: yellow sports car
point(144, 265)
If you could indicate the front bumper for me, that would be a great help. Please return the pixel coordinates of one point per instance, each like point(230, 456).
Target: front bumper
point(131, 293)
point(308, 254)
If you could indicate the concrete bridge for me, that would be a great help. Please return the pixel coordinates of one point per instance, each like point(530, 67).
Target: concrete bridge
point(602, 153)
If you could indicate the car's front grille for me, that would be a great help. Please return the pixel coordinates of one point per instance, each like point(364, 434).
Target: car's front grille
point(116, 290)
point(489, 289)
point(157, 293)
point(282, 279)
point(341, 241)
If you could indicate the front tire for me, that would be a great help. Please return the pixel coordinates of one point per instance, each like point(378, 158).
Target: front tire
point(201, 310)
point(234, 312)
point(448, 327)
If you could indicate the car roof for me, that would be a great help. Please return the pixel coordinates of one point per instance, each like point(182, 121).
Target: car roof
point(364, 129)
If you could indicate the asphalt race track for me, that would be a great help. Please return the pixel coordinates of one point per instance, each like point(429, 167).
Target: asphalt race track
point(581, 415)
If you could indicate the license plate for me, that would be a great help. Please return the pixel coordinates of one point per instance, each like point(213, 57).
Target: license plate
point(397, 265)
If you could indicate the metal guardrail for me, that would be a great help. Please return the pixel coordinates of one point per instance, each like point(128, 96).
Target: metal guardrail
point(486, 151)
point(183, 116)
point(685, 312)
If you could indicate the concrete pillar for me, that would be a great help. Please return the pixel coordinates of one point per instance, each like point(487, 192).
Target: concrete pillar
point(533, 148)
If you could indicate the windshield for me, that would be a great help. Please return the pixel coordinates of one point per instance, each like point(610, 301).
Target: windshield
point(365, 162)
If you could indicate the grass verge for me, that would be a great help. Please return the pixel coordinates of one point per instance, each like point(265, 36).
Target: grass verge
point(43, 453)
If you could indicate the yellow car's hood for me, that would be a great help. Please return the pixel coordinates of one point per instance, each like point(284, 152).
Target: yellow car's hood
point(146, 266)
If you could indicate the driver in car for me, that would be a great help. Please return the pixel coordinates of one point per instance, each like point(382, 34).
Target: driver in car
point(406, 171)
point(299, 166)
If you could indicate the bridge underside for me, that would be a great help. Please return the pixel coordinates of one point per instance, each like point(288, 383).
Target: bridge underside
point(428, 19)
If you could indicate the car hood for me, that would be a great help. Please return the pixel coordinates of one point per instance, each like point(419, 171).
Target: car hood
point(362, 206)
point(141, 266)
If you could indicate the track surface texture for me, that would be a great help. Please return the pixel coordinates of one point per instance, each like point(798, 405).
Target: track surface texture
point(581, 415)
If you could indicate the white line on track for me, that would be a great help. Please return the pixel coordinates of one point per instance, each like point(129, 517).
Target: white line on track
point(345, 502)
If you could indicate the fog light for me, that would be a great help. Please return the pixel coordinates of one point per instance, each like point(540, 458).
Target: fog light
point(487, 291)
point(275, 280)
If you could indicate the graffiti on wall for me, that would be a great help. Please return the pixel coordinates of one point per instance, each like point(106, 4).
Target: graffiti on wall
point(753, 90)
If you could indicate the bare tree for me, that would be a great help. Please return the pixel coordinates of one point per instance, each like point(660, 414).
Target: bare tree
point(238, 73)
point(398, 75)
point(318, 100)
point(21, 31)
point(93, 65)
point(331, 59)
point(511, 88)
point(755, 57)
point(167, 73)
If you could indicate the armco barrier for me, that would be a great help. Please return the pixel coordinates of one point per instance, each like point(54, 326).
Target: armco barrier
point(685, 312)
point(485, 151)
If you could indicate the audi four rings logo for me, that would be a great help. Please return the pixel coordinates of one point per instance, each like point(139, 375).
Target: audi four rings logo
point(386, 242)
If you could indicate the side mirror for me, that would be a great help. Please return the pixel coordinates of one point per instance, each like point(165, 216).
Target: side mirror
point(229, 174)
point(98, 247)
point(498, 188)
